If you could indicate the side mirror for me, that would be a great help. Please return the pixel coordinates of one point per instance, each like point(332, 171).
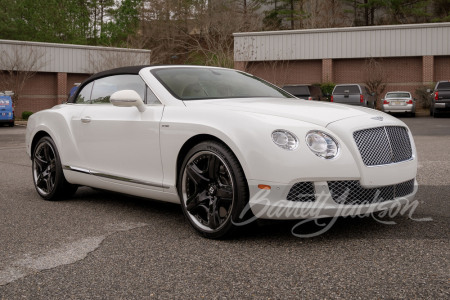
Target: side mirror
point(428, 91)
point(127, 98)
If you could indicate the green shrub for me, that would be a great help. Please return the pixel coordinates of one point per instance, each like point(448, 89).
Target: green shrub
point(327, 89)
point(26, 114)
point(423, 97)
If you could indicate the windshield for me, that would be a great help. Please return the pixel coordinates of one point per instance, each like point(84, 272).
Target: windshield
point(187, 83)
point(398, 95)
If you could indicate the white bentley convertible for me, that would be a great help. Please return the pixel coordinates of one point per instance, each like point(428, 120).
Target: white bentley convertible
point(226, 145)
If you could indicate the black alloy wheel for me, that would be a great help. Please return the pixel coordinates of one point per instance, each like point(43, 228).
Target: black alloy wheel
point(213, 189)
point(48, 176)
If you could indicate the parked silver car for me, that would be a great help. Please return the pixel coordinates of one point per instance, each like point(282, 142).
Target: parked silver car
point(399, 102)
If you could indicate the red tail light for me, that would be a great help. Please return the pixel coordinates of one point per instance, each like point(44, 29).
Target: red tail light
point(331, 98)
point(361, 98)
point(436, 95)
point(409, 101)
point(309, 98)
point(385, 102)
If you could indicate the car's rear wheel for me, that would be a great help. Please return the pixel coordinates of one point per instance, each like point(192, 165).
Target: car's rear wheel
point(213, 189)
point(48, 176)
point(11, 124)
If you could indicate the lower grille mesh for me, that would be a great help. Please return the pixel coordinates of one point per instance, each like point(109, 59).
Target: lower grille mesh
point(302, 192)
point(352, 193)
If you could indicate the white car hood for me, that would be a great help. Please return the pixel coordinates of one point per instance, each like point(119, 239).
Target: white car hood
point(319, 113)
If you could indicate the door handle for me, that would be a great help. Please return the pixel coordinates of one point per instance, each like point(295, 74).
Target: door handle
point(86, 119)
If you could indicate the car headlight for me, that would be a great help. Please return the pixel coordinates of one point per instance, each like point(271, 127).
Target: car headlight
point(285, 139)
point(322, 145)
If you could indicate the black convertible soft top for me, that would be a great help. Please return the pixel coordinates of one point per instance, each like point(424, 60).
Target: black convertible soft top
point(134, 70)
point(116, 71)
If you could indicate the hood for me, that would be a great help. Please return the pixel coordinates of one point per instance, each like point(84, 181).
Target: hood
point(319, 113)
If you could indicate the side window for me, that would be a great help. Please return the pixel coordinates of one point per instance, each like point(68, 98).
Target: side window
point(84, 97)
point(105, 87)
point(151, 97)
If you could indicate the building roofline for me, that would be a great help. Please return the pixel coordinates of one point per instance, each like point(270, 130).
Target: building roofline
point(343, 29)
point(72, 46)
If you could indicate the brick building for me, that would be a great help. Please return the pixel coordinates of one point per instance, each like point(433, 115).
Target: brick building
point(410, 56)
point(58, 67)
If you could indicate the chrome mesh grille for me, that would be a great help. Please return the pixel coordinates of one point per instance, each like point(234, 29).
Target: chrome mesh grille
point(351, 192)
point(302, 192)
point(383, 145)
point(405, 188)
point(401, 146)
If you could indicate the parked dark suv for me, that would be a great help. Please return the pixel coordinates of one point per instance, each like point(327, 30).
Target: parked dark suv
point(304, 91)
point(440, 98)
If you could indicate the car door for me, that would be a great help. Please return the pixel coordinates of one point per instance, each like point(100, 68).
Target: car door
point(120, 143)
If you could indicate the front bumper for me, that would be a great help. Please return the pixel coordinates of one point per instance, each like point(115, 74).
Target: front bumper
point(348, 168)
point(323, 203)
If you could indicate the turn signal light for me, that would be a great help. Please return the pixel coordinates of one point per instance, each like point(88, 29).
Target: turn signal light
point(264, 187)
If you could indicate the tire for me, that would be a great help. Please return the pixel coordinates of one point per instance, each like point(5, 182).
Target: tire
point(213, 189)
point(11, 124)
point(48, 177)
point(435, 114)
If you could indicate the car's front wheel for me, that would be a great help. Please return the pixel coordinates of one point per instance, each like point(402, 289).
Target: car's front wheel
point(213, 189)
point(48, 176)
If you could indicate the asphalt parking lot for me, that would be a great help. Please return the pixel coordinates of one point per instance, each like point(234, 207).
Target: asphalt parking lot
point(101, 245)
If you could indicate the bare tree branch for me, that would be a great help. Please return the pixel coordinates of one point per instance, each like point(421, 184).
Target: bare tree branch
point(375, 78)
point(19, 65)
